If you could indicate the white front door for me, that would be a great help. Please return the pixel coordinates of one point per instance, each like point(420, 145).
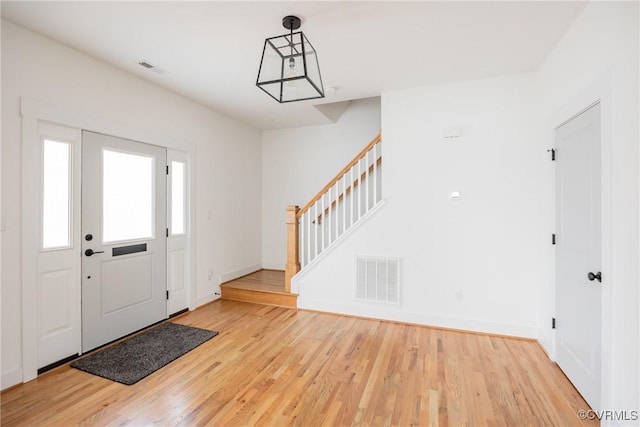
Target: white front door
point(124, 243)
point(578, 253)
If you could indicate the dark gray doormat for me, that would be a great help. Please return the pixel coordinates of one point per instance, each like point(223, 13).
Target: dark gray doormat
point(133, 359)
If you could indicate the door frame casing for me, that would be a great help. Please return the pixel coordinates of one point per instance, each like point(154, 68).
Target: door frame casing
point(33, 112)
point(599, 91)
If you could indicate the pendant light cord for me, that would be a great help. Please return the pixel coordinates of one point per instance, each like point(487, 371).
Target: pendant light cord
point(291, 36)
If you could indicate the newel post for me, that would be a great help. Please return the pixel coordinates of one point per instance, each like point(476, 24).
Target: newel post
point(293, 262)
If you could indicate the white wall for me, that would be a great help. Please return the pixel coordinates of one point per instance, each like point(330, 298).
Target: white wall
point(476, 263)
point(598, 57)
point(227, 162)
point(485, 262)
point(298, 162)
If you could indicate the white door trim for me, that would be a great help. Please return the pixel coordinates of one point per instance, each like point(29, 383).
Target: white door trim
point(32, 112)
point(600, 91)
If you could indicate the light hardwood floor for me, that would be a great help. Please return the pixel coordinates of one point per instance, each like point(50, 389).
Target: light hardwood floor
point(275, 366)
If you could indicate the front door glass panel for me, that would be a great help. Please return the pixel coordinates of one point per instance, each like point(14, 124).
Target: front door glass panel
point(127, 196)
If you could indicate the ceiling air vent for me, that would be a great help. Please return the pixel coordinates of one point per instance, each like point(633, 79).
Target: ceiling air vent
point(149, 66)
point(378, 279)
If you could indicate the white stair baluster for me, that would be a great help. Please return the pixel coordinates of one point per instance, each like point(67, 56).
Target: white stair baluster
point(302, 241)
point(322, 221)
point(359, 188)
point(307, 216)
point(375, 174)
point(367, 181)
point(315, 229)
point(344, 202)
point(353, 198)
point(330, 223)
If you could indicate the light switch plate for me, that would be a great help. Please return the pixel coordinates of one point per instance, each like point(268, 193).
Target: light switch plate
point(452, 132)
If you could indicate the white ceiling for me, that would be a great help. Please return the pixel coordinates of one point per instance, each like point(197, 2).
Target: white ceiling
point(211, 50)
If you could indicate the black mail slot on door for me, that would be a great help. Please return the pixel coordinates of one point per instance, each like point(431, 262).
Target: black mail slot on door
point(124, 250)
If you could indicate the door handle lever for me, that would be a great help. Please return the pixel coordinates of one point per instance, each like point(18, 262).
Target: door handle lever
point(90, 252)
point(597, 276)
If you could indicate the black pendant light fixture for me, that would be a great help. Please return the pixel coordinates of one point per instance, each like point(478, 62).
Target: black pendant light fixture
point(289, 69)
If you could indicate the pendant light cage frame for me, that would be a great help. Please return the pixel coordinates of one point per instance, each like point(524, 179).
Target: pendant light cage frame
point(289, 69)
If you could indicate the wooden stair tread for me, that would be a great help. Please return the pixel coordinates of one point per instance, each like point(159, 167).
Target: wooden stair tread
point(262, 287)
point(248, 288)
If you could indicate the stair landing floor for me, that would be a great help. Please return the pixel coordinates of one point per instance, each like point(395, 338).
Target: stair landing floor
point(262, 287)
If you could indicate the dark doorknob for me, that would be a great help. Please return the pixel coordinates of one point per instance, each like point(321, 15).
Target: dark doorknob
point(597, 276)
point(90, 252)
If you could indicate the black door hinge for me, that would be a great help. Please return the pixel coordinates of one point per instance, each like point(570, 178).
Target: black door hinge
point(167, 232)
point(167, 169)
point(553, 153)
point(553, 239)
point(167, 294)
point(553, 323)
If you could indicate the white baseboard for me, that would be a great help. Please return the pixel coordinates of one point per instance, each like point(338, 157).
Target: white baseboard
point(10, 378)
point(239, 273)
point(398, 315)
point(206, 299)
point(546, 340)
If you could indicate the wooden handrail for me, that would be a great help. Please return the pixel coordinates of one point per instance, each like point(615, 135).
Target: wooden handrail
point(346, 192)
point(355, 160)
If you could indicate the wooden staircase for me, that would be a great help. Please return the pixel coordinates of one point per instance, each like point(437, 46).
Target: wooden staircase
point(262, 287)
point(340, 205)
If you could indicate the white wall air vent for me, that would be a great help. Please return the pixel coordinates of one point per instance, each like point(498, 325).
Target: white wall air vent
point(378, 279)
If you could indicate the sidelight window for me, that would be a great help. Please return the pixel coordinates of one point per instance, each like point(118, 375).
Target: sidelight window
point(56, 195)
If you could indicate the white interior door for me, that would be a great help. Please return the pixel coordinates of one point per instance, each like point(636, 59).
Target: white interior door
point(124, 243)
point(578, 253)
